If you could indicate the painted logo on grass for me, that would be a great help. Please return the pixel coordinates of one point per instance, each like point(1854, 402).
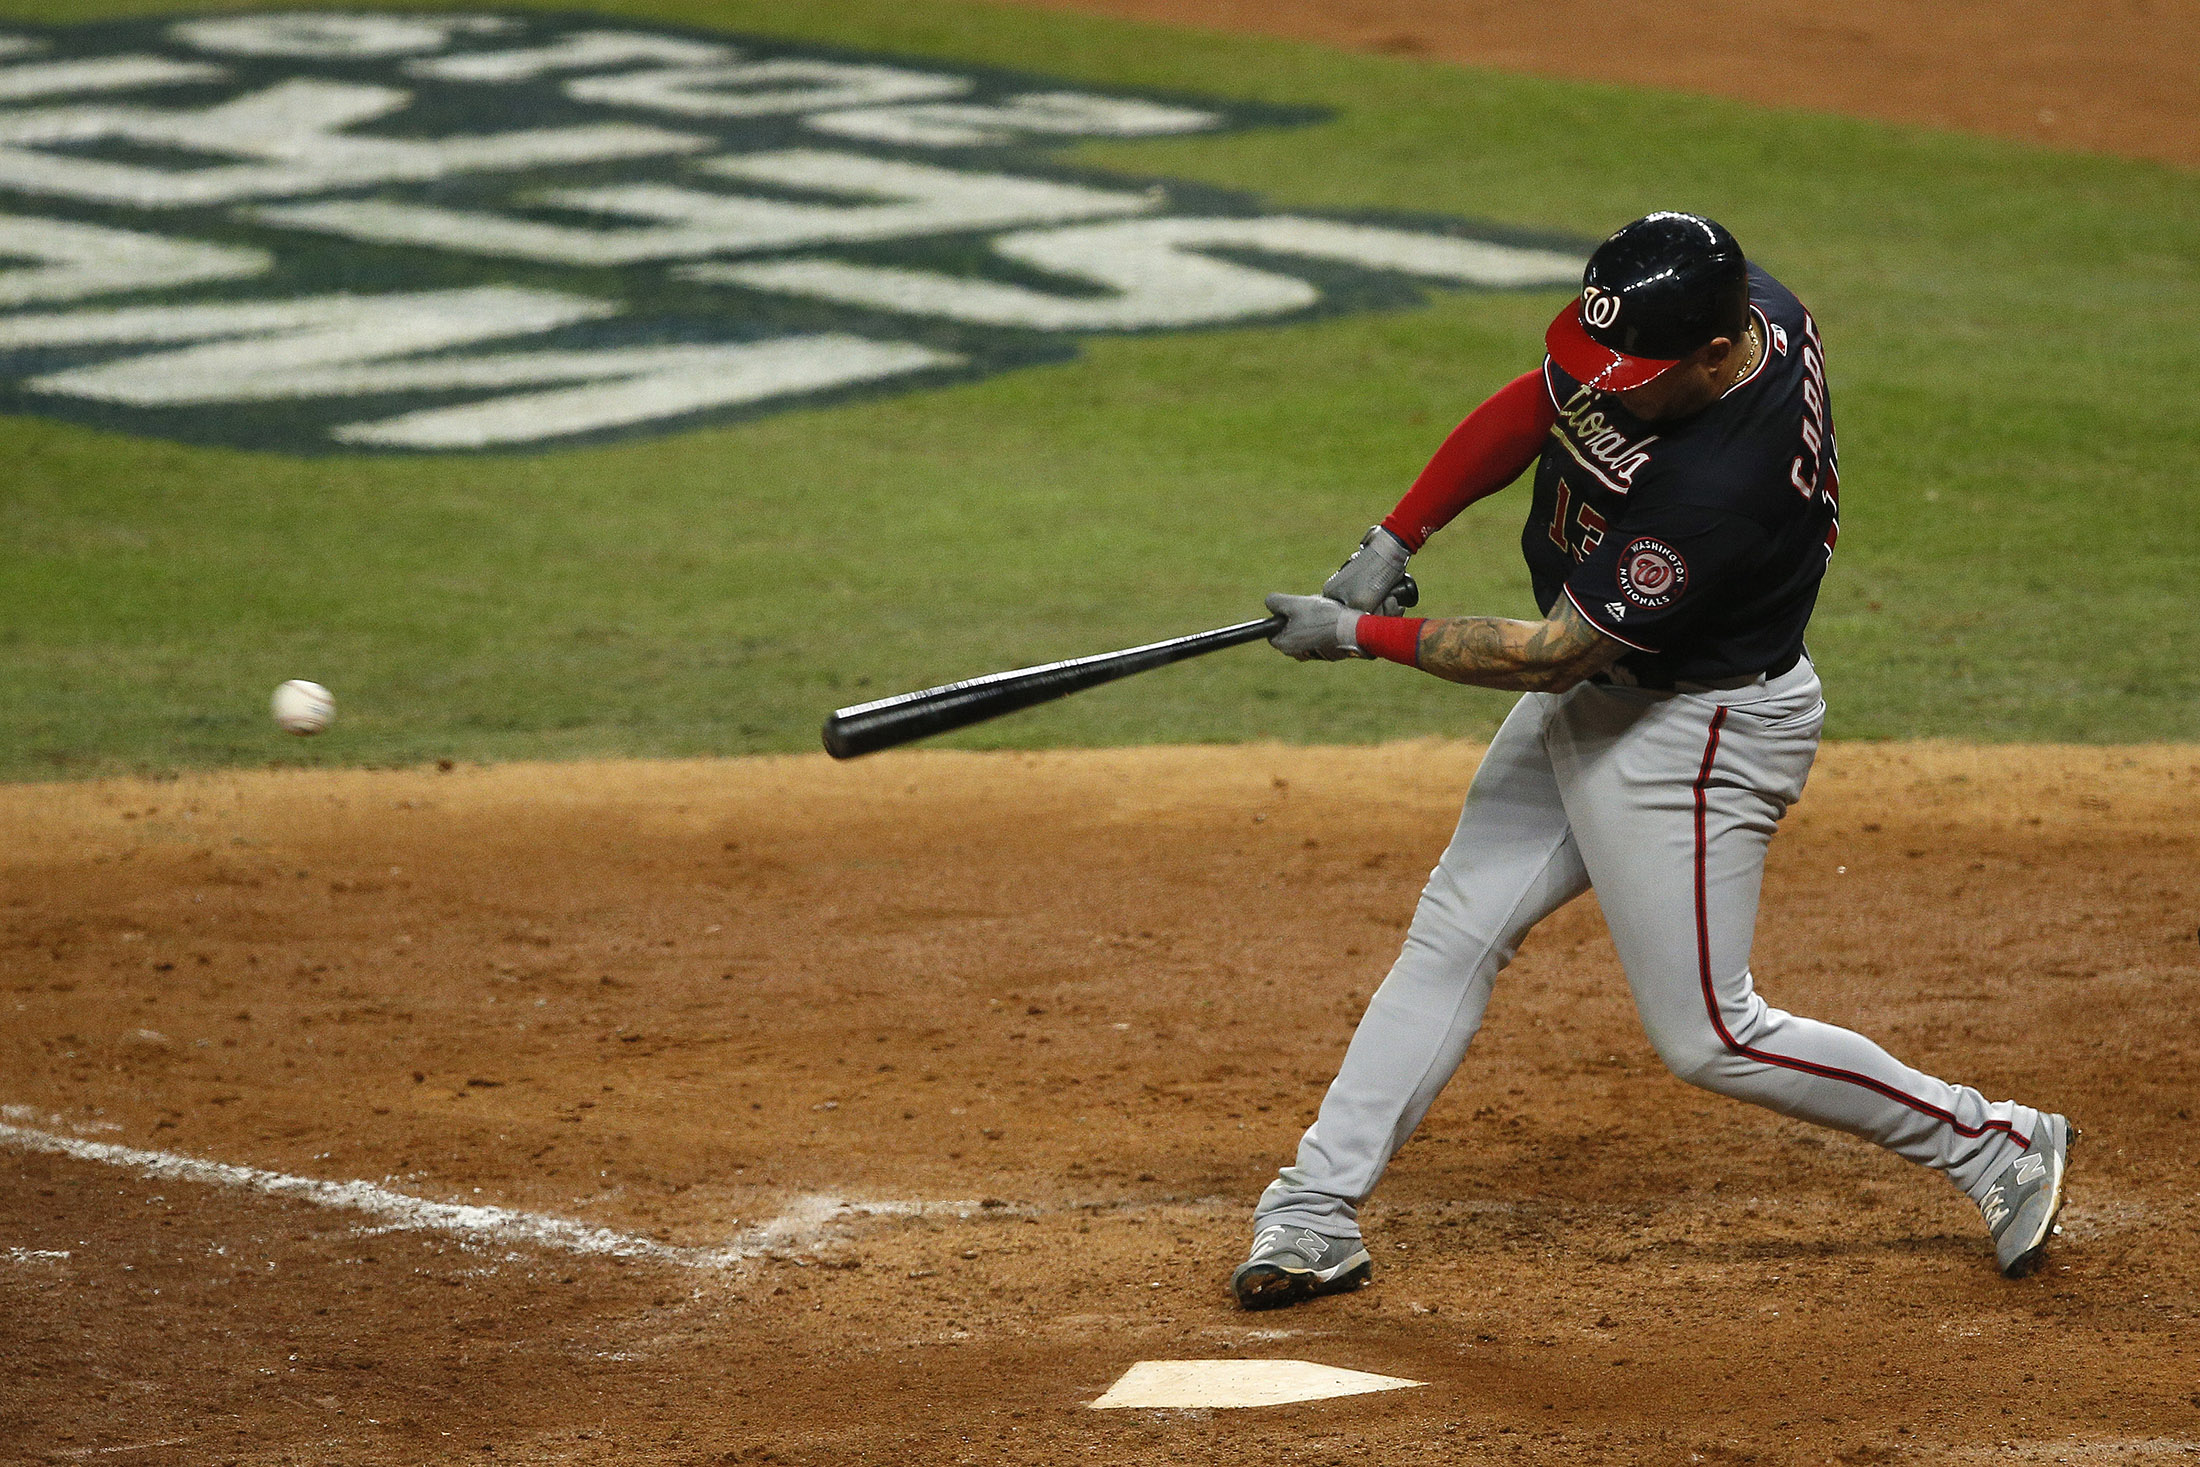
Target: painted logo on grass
point(349, 231)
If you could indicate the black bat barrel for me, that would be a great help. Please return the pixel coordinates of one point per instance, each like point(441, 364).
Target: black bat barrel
point(869, 727)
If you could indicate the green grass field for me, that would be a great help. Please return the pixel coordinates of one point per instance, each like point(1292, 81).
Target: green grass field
point(2011, 340)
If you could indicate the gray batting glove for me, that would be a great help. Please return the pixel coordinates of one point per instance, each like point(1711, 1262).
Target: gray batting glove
point(1318, 627)
point(1372, 575)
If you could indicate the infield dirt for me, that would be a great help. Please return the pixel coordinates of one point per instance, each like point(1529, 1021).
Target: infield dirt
point(2100, 76)
point(1080, 1004)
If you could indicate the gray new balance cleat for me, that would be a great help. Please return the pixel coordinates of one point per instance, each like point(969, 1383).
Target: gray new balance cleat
point(1290, 1264)
point(2021, 1206)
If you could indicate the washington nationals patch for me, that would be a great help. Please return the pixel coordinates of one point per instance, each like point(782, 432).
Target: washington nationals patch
point(1652, 573)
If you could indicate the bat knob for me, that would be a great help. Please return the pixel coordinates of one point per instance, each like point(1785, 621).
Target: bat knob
point(1408, 593)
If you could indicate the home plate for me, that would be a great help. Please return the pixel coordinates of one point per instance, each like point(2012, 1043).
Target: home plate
point(1174, 1385)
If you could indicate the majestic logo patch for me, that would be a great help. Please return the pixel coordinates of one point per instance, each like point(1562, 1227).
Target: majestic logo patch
point(1652, 573)
point(362, 232)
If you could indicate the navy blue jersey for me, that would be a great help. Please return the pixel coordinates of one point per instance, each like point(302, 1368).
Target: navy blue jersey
point(1698, 543)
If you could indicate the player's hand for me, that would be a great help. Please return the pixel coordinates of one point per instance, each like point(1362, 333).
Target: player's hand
point(1373, 577)
point(1318, 627)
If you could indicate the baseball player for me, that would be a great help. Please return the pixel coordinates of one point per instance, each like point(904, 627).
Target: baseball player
point(1686, 503)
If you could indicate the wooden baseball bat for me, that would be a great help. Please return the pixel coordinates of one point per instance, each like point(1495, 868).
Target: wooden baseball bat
point(869, 727)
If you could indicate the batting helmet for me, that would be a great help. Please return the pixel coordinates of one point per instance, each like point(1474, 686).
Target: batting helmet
point(1654, 292)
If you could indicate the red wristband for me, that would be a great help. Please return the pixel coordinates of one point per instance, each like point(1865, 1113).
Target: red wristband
point(1394, 638)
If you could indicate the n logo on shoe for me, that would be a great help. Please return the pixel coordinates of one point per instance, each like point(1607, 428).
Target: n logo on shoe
point(351, 231)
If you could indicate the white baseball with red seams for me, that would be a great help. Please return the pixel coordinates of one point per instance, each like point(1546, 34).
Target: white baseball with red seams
point(302, 707)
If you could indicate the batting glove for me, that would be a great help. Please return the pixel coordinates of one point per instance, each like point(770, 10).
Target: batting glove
point(1373, 577)
point(1317, 627)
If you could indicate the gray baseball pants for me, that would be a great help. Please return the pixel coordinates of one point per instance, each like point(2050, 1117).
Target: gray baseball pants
point(1664, 802)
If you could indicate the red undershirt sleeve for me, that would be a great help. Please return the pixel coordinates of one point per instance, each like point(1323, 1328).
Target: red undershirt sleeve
point(1489, 450)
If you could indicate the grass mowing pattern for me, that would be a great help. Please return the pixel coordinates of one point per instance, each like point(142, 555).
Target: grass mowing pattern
point(2010, 336)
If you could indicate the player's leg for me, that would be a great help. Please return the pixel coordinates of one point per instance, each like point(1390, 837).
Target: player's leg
point(1673, 800)
point(1511, 863)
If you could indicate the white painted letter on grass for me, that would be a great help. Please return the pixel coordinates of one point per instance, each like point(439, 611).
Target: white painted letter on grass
point(294, 140)
point(74, 261)
point(99, 74)
point(764, 88)
point(1154, 272)
point(361, 346)
point(899, 201)
point(261, 351)
point(331, 35)
point(582, 51)
point(635, 385)
point(1045, 114)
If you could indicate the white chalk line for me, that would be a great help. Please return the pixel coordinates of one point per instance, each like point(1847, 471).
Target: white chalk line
point(807, 1221)
point(172, 1441)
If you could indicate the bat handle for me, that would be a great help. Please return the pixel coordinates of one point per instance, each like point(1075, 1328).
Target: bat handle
point(1244, 631)
point(1199, 643)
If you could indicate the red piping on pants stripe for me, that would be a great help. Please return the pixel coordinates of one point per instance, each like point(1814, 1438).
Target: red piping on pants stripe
point(1711, 1001)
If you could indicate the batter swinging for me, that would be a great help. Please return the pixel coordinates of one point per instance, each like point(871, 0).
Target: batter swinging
point(1687, 496)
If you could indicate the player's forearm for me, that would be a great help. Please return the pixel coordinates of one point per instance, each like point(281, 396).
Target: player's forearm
point(1496, 651)
point(1499, 652)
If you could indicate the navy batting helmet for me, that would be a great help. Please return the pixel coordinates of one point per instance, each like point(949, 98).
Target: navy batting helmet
point(1654, 292)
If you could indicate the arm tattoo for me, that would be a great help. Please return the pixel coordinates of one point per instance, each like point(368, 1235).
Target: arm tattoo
point(1522, 656)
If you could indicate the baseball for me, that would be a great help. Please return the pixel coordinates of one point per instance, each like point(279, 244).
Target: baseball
point(303, 708)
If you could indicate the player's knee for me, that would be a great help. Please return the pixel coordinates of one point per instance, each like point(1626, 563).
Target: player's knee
point(1695, 1054)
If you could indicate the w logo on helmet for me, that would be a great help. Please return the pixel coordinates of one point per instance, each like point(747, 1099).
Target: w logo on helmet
point(1599, 307)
